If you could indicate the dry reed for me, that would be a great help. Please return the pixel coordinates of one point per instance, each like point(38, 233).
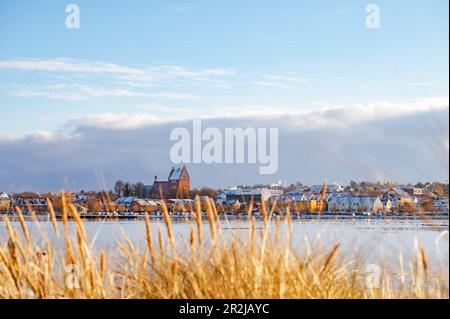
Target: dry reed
point(263, 266)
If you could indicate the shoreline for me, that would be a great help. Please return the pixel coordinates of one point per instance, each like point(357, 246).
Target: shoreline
point(242, 216)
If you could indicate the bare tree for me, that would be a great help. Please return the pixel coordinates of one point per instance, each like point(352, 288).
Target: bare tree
point(139, 190)
point(119, 188)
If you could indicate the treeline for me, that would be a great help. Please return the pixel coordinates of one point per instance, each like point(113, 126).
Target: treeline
point(125, 189)
point(440, 189)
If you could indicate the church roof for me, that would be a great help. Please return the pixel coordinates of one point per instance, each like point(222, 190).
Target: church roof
point(175, 174)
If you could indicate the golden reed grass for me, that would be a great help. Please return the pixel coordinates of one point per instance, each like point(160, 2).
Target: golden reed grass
point(263, 266)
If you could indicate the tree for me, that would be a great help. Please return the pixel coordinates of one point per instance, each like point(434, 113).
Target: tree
point(94, 205)
point(139, 190)
point(119, 188)
point(419, 185)
point(353, 184)
point(121, 208)
point(128, 189)
point(439, 189)
point(205, 191)
point(428, 206)
point(407, 208)
point(363, 185)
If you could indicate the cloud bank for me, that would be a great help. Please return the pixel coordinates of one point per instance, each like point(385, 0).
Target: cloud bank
point(402, 142)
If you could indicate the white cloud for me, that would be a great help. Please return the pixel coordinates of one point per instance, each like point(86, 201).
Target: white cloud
point(273, 84)
point(80, 92)
point(68, 96)
point(40, 137)
point(285, 78)
point(97, 79)
point(327, 116)
point(115, 120)
point(324, 117)
point(121, 77)
point(68, 65)
point(419, 83)
point(144, 73)
point(288, 80)
point(171, 111)
point(361, 113)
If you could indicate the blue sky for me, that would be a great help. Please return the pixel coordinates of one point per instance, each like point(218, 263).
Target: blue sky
point(323, 44)
point(136, 63)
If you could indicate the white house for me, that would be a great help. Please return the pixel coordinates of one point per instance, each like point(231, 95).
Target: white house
point(372, 204)
point(387, 206)
point(441, 204)
point(338, 205)
point(355, 203)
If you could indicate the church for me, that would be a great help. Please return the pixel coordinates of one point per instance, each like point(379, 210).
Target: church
point(178, 184)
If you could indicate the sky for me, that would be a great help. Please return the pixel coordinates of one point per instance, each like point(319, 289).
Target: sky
point(83, 107)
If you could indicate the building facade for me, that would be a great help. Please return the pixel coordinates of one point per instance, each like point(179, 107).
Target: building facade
point(178, 184)
point(5, 201)
point(246, 195)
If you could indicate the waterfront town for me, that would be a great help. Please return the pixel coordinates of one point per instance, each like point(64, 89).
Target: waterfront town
point(131, 200)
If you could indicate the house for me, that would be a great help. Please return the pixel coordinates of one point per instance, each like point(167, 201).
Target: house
point(292, 196)
point(399, 195)
point(372, 204)
point(126, 201)
point(38, 205)
point(246, 195)
point(5, 201)
point(232, 203)
point(221, 198)
point(339, 205)
point(306, 203)
point(178, 185)
point(440, 204)
point(355, 204)
point(387, 206)
point(143, 205)
point(135, 204)
point(236, 204)
point(413, 191)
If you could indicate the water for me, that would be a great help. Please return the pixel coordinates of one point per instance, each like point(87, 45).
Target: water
point(377, 239)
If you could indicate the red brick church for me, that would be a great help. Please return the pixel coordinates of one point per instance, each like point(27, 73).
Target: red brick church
point(178, 184)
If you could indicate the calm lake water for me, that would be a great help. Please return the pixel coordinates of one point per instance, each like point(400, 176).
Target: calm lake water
point(377, 239)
